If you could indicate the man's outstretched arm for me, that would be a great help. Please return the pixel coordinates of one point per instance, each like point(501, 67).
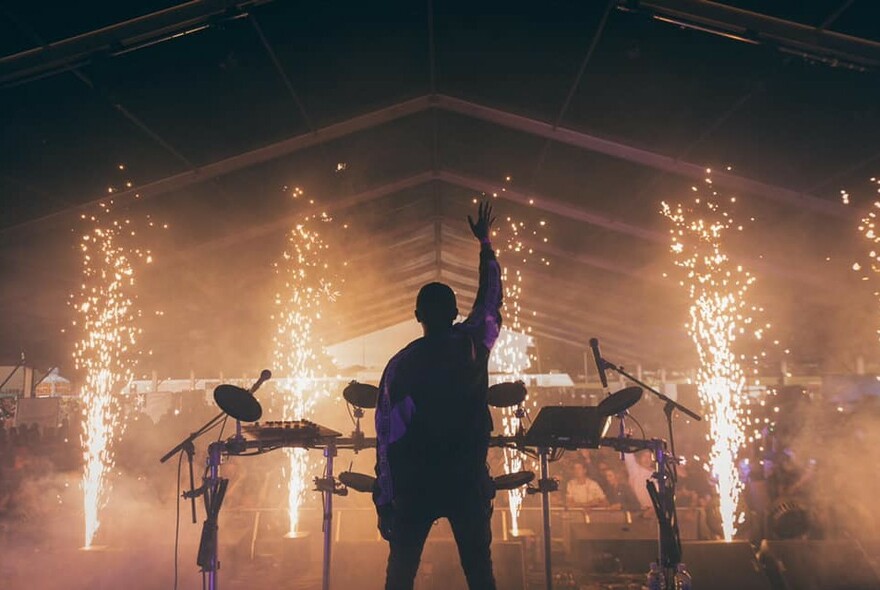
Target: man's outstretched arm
point(484, 320)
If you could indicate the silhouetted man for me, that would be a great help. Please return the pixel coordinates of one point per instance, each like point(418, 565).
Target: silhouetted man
point(433, 427)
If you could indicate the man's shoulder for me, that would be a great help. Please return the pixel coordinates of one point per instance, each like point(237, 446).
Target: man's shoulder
point(405, 352)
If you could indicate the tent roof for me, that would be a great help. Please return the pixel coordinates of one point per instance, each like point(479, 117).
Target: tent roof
point(596, 111)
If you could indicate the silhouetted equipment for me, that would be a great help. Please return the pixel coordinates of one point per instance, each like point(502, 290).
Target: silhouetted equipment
point(555, 428)
point(359, 482)
point(510, 481)
point(817, 565)
point(300, 433)
point(238, 403)
point(507, 394)
point(788, 519)
point(600, 364)
point(361, 395)
point(567, 427)
point(620, 401)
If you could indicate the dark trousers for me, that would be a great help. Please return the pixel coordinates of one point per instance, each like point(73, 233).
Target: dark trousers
point(471, 526)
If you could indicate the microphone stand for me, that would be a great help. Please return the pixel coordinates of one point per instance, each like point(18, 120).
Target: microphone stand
point(187, 446)
point(663, 492)
point(671, 404)
point(213, 488)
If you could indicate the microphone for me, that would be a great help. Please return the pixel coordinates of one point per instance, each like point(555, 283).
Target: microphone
point(600, 364)
point(265, 375)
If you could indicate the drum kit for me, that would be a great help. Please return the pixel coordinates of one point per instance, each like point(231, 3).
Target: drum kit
point(554, 428)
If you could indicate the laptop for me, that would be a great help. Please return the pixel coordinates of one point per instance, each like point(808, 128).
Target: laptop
point(568, 427)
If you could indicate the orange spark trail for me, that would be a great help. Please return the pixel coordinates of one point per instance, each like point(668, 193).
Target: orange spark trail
point(717, 290)
point(507, 354)
point(107, 314)
point(305, 287)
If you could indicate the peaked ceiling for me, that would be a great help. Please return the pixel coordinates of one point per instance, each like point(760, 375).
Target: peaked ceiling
point(596, 111)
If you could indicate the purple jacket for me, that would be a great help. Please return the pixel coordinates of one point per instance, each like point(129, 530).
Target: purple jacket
point(432, 420)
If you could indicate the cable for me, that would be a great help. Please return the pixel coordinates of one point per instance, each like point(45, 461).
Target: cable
point(222, 427)
point(350, 415)
point(177, 520)
point(639, 424)
point(177, 515)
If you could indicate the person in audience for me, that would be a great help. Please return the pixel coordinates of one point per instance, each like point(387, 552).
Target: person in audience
point(583, 492)
point(640, 468)
point(619, 493)
point(692, 488)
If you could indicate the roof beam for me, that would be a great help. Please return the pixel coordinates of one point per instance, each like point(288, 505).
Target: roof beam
point(738, 24)
point(285, 223)
point(377, 321)
point(238, 162)
point(120, 38)
point(106, 96)
point(393, 310)
point(584, 319)
point(575, 213)
point(550, 205)
point(553, 307)
point(640, 156)
point(835, 14)
point(455, 105)
point(432, 61)
point(279, 69)
point(594, 41)
point(580, 258)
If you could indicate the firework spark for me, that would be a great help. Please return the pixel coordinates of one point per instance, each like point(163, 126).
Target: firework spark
point(305, 287)
point(717, 290)
point(508, 353)
point(869, 231)
point(107, 315)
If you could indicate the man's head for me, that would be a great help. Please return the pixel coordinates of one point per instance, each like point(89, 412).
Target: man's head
point(435, 306)
point(579, 470)
point(611, 477)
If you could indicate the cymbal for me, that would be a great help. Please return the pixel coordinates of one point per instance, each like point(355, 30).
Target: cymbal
point(510, 481)
point(359, 482)
point(238, 403)
point(361, 395)
point(620, 401)
point(507, 394)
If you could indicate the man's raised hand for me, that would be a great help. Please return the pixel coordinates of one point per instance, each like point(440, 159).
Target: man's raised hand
point(484, 222)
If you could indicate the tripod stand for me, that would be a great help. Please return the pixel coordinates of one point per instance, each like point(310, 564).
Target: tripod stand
point(662, 490)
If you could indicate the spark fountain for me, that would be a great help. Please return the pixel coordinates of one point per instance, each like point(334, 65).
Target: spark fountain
point(717, 289)
point(106, 318)
point(511, 359)
point(305, 286)
point(868, 229)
